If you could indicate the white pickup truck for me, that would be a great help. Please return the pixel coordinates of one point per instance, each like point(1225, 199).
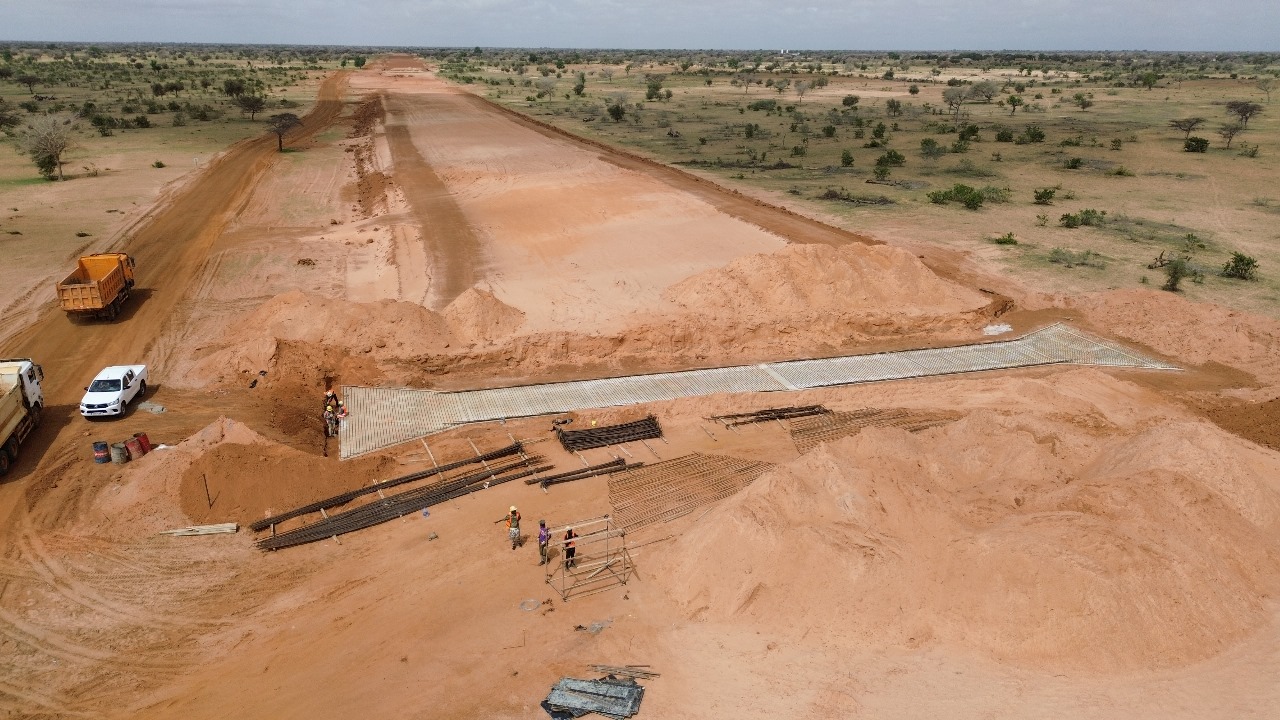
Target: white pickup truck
point(113, 389)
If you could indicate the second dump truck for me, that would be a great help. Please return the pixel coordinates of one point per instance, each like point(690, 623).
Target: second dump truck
point(21, 399)
point(98, 287)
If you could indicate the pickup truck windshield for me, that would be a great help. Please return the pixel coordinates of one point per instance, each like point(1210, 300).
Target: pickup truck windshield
point(105, 386)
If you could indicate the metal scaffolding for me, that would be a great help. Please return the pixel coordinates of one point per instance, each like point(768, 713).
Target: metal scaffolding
point(601, 561)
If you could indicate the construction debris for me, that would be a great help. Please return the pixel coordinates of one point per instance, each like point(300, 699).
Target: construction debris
point(608, 696)
point(674, 488)
point(782, 413)
point(807, 433)
point(202, 530)
point(576, 440)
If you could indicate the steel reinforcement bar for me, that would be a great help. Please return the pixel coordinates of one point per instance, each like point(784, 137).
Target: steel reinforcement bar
point(347, 497)
point(397, 506)
point(576, 440)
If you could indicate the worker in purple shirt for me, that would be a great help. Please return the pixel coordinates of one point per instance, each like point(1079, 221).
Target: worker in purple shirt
point(544, 540)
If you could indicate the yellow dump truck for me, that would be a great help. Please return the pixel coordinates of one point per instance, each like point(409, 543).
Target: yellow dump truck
point(98, 287)
point(21, 399)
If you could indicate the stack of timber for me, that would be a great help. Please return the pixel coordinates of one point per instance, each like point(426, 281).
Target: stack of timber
point(576, 440)
point(809, 432)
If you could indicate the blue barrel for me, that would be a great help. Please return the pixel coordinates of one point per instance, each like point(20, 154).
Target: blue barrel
point(100, 453)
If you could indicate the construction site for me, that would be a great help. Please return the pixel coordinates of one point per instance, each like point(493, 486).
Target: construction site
point(786, 468)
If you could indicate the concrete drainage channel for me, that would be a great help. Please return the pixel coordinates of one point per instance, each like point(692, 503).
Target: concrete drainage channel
point(382, 417)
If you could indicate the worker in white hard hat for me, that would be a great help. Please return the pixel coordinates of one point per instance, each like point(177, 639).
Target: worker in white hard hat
point(513, 527)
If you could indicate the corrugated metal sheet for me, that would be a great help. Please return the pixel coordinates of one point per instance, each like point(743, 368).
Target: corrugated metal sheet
point(382, 417)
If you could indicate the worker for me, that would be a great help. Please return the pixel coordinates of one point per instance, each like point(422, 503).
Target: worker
point(544, 540)
point(513, 526)
point(570, 548)
point(330, 397)
point(342, 410)
point(330, 422)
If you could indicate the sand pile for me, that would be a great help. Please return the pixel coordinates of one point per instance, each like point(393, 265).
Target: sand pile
point(877, 282)
point(476, 315)
point(1027, 538)
point(1194, 333)
point(142, 500)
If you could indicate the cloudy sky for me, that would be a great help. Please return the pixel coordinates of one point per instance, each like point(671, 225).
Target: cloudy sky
point(712, 24)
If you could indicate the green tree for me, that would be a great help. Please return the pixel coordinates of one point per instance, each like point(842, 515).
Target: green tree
point(46, 139)
point(617, 111)
point(1149, 79)
point(846, 158)
point(914, 89)
point(1229, 132)
point(1186, 125)
point(233, 87)
point(8, 116)
point(985, 89)
point(850, 101)
point(893, 107)
point(1014, 102)
point(252, 104)
point(281, 124)
point(932, 149)
point(580, 86)
point(358, 61)
point(1241, 109)
point(31, 81)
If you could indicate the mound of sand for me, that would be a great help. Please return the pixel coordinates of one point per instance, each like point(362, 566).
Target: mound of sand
point(800, 281)
point(1191, 332)
point(1108, 551)
point(142, 500)
point(476, 315)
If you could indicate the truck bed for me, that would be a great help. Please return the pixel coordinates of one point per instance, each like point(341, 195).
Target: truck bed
point(96, 285)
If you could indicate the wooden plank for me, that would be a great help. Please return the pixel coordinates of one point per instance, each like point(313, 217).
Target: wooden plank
point(202, 530)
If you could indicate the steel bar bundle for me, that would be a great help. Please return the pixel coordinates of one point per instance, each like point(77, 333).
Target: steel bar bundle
point(671, 489)
point(613, 466)
point(809, 432)
point(632, 671)
point(405, 503)
point(575, 440)
point(347, 497)
point(782, 413)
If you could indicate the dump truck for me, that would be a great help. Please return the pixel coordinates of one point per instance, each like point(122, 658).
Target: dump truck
point(21, 399)
point(98, 287)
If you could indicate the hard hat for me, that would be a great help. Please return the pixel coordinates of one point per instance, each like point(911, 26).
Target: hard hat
point(542, 522)
point(513, 508)
point(329, 408)
point(340, 403)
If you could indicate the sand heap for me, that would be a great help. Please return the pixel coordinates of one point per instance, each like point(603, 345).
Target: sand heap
point(1025, 537)
point(478, 316)
point(1192, 332)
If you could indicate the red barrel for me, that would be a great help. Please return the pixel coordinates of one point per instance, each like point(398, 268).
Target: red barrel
point(144, 441)
point(134, 447)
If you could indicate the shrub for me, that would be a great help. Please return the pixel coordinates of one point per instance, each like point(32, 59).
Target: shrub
point(893, 158)
point(1122, 171)
point(1196, 145)
point(829, 131)
point(1073, 163)
point(881, 172)
point(157, 164)
point(1044, 196)
point(1004, 135)
point(1005, 239)
point(970, 197)
point(930, 148)
point(798, 151)
point(142, 121)
point(1241, 266)
point(996, 195)
point(846, 158)
point(767, 105)
point(1084, 217)
point(1174, 272)
point(1033, 134)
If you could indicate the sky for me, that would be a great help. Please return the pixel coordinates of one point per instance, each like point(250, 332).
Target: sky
point(1225, 25)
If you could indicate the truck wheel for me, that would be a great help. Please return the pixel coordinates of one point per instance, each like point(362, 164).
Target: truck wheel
point(4, 463)
point(142, 390)
point(11, 448)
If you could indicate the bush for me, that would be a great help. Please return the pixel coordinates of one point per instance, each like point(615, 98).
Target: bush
point(1196, 145)
point(767, 105)
point(1044, 196)
point(799, 151)
point(1005, 239)
point(1004, 135)
point(846, 158)
point(1241, 266)
point(970, 197)
point(1033, 134)
point(157, 164)
point(1073, 163)
point(893, 158)
point(829, 131)
point(1174, 272)
point(1084, 217)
